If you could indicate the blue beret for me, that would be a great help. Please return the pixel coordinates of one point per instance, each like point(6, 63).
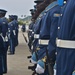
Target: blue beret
point(11, 17)
point(15, 16)
point(38, 1)
point(32, 10)
point(3, 11)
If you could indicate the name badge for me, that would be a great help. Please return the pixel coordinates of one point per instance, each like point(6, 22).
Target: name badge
point(57, 15)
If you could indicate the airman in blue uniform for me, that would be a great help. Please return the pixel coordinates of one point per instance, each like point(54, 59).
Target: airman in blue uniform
point(12, 34)
point(46, 35)
point(65, 61)
point(23, 28)
point(36, 30)
point(34, 15)
point(5, 35)
point(3, 41)
point(30, 31)
point(38, 26)
point(16, 29)
point(1, 49)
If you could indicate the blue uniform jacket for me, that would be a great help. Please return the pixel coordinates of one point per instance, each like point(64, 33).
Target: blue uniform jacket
point(1, 40)
point(36, 31)
point(66, 56)
point(16, 25)
point(49, 29)
point(4, 26)
point(37, 28)
point(11, 27)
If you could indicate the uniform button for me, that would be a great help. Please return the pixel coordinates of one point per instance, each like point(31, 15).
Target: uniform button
point(64, 2)
point(58, 27)
point(55, 53)
point(61, 14)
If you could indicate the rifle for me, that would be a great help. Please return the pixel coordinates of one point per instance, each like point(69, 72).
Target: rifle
point(50, 68)
point(25, 38)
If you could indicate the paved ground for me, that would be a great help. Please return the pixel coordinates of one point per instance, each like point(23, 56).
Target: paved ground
point(18, 63)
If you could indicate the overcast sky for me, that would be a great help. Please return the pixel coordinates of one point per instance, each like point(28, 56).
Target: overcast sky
point(19, 7)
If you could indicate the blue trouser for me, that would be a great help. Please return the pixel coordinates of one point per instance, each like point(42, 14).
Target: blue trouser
point(12, 45)
point(4, 57)
point(1, 66)
point(1, 54)
point(4, 62)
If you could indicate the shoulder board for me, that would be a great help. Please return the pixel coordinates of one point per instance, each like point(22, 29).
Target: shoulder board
point(41, 14)
point(53, 4)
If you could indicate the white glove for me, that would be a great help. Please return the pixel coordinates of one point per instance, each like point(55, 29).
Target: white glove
point(6, 38)
point(14, 32)
point(73, 72)
point(40, 67)
point(32, 47)
point(55, 69)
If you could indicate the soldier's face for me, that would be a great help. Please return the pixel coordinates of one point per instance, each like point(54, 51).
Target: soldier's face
point(10, 19)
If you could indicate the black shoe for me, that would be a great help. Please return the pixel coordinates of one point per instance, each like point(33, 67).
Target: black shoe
point(29, 57)
point(34, 73)
point(32, 67)
point(10, 54)
point(5, 72)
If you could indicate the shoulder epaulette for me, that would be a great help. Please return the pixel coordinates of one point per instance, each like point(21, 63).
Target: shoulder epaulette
point(53, 4)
